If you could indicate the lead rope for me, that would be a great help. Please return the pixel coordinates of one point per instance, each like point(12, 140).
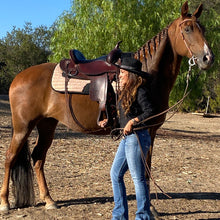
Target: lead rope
point(117, 133)
point(191, 63)
point(120, 134)
point(147, 169)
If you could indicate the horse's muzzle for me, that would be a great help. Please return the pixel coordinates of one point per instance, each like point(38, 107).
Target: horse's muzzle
point(206, 60)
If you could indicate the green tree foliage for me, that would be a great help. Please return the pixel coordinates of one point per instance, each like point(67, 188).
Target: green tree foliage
point(21, 49)
point(212, 84)
point(95, 26)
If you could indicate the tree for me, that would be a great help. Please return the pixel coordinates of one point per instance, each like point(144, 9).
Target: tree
point(20, 49)
point(94, 27)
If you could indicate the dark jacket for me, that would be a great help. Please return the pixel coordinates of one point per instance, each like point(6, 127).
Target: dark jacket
point(141, 108)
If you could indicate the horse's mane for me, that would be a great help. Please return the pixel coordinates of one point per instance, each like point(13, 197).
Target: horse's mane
point(151, 52)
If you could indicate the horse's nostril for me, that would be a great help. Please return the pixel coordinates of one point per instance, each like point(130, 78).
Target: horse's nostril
point(206, 59)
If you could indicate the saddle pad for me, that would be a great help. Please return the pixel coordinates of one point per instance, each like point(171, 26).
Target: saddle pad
point(74, 85)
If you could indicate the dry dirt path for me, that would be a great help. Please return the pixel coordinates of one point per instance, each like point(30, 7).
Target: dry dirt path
point(185, 165)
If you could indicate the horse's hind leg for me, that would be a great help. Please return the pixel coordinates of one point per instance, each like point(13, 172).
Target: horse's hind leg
point(46, 128)
point(18, 141)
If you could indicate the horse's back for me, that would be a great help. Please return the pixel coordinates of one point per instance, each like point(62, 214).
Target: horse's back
point(32, 79)
point(32, 75)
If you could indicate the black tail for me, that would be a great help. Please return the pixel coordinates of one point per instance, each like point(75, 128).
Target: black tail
point(22, 179)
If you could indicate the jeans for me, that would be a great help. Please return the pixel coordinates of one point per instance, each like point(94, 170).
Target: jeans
point(128, 156)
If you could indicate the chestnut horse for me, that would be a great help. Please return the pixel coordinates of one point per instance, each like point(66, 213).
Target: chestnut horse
point(35, 104)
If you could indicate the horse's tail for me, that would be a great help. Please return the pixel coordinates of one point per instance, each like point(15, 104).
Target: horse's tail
point(22, 179)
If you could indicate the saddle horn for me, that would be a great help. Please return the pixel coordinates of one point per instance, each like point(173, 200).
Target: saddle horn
point(114, 55)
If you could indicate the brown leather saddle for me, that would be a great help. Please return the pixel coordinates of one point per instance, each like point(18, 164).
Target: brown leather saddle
point(100, 72)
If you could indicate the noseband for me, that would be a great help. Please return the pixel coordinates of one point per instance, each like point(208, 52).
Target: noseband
point(190, 51)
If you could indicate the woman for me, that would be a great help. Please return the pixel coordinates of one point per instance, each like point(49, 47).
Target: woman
point(134, 106)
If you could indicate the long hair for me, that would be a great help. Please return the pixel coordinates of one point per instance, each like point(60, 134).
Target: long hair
point(128, 93)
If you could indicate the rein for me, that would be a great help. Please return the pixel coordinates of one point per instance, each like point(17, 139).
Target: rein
point(180, 25)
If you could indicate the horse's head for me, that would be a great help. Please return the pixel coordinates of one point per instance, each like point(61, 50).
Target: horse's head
point(187, 37)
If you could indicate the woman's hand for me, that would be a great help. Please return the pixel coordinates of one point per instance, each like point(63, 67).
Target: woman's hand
point(129, 126)
point(103, 123)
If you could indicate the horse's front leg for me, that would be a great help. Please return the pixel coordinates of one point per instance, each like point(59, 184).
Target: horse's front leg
point(46, 129)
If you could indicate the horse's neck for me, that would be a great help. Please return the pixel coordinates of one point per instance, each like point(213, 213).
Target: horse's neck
point(159, 59)
point(152, 52)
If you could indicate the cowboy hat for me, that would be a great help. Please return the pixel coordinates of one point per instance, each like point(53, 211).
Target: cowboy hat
point(132, 65)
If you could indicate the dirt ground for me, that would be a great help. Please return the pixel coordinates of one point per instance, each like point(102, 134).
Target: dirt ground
point(185, 165)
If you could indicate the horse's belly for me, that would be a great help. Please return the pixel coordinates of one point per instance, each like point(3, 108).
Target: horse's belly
point(83, 109)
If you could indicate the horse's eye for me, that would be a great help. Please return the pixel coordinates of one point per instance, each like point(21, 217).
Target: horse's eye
point(187, 29)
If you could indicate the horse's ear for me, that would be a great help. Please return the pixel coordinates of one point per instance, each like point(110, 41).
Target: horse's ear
point(198, 11)
point(184, 10)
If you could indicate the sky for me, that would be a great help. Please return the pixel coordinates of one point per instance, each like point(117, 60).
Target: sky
point(38, 12)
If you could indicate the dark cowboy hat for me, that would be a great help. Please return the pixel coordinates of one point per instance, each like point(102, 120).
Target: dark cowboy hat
point(132, 65)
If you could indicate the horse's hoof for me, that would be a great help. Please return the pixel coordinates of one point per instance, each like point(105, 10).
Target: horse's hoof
point(4, 208)
point(51, 206)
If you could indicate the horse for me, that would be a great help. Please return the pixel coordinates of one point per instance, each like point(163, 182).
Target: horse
point(35, 104)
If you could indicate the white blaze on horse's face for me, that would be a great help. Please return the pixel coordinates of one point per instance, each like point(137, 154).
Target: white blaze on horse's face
point(205, 59)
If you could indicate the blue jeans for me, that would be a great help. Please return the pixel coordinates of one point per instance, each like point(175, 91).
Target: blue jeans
point(128, 156)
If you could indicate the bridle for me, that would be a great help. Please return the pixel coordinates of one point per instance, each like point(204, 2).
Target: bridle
point(180, 25)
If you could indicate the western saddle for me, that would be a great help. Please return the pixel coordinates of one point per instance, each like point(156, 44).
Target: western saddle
point(100, 72)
